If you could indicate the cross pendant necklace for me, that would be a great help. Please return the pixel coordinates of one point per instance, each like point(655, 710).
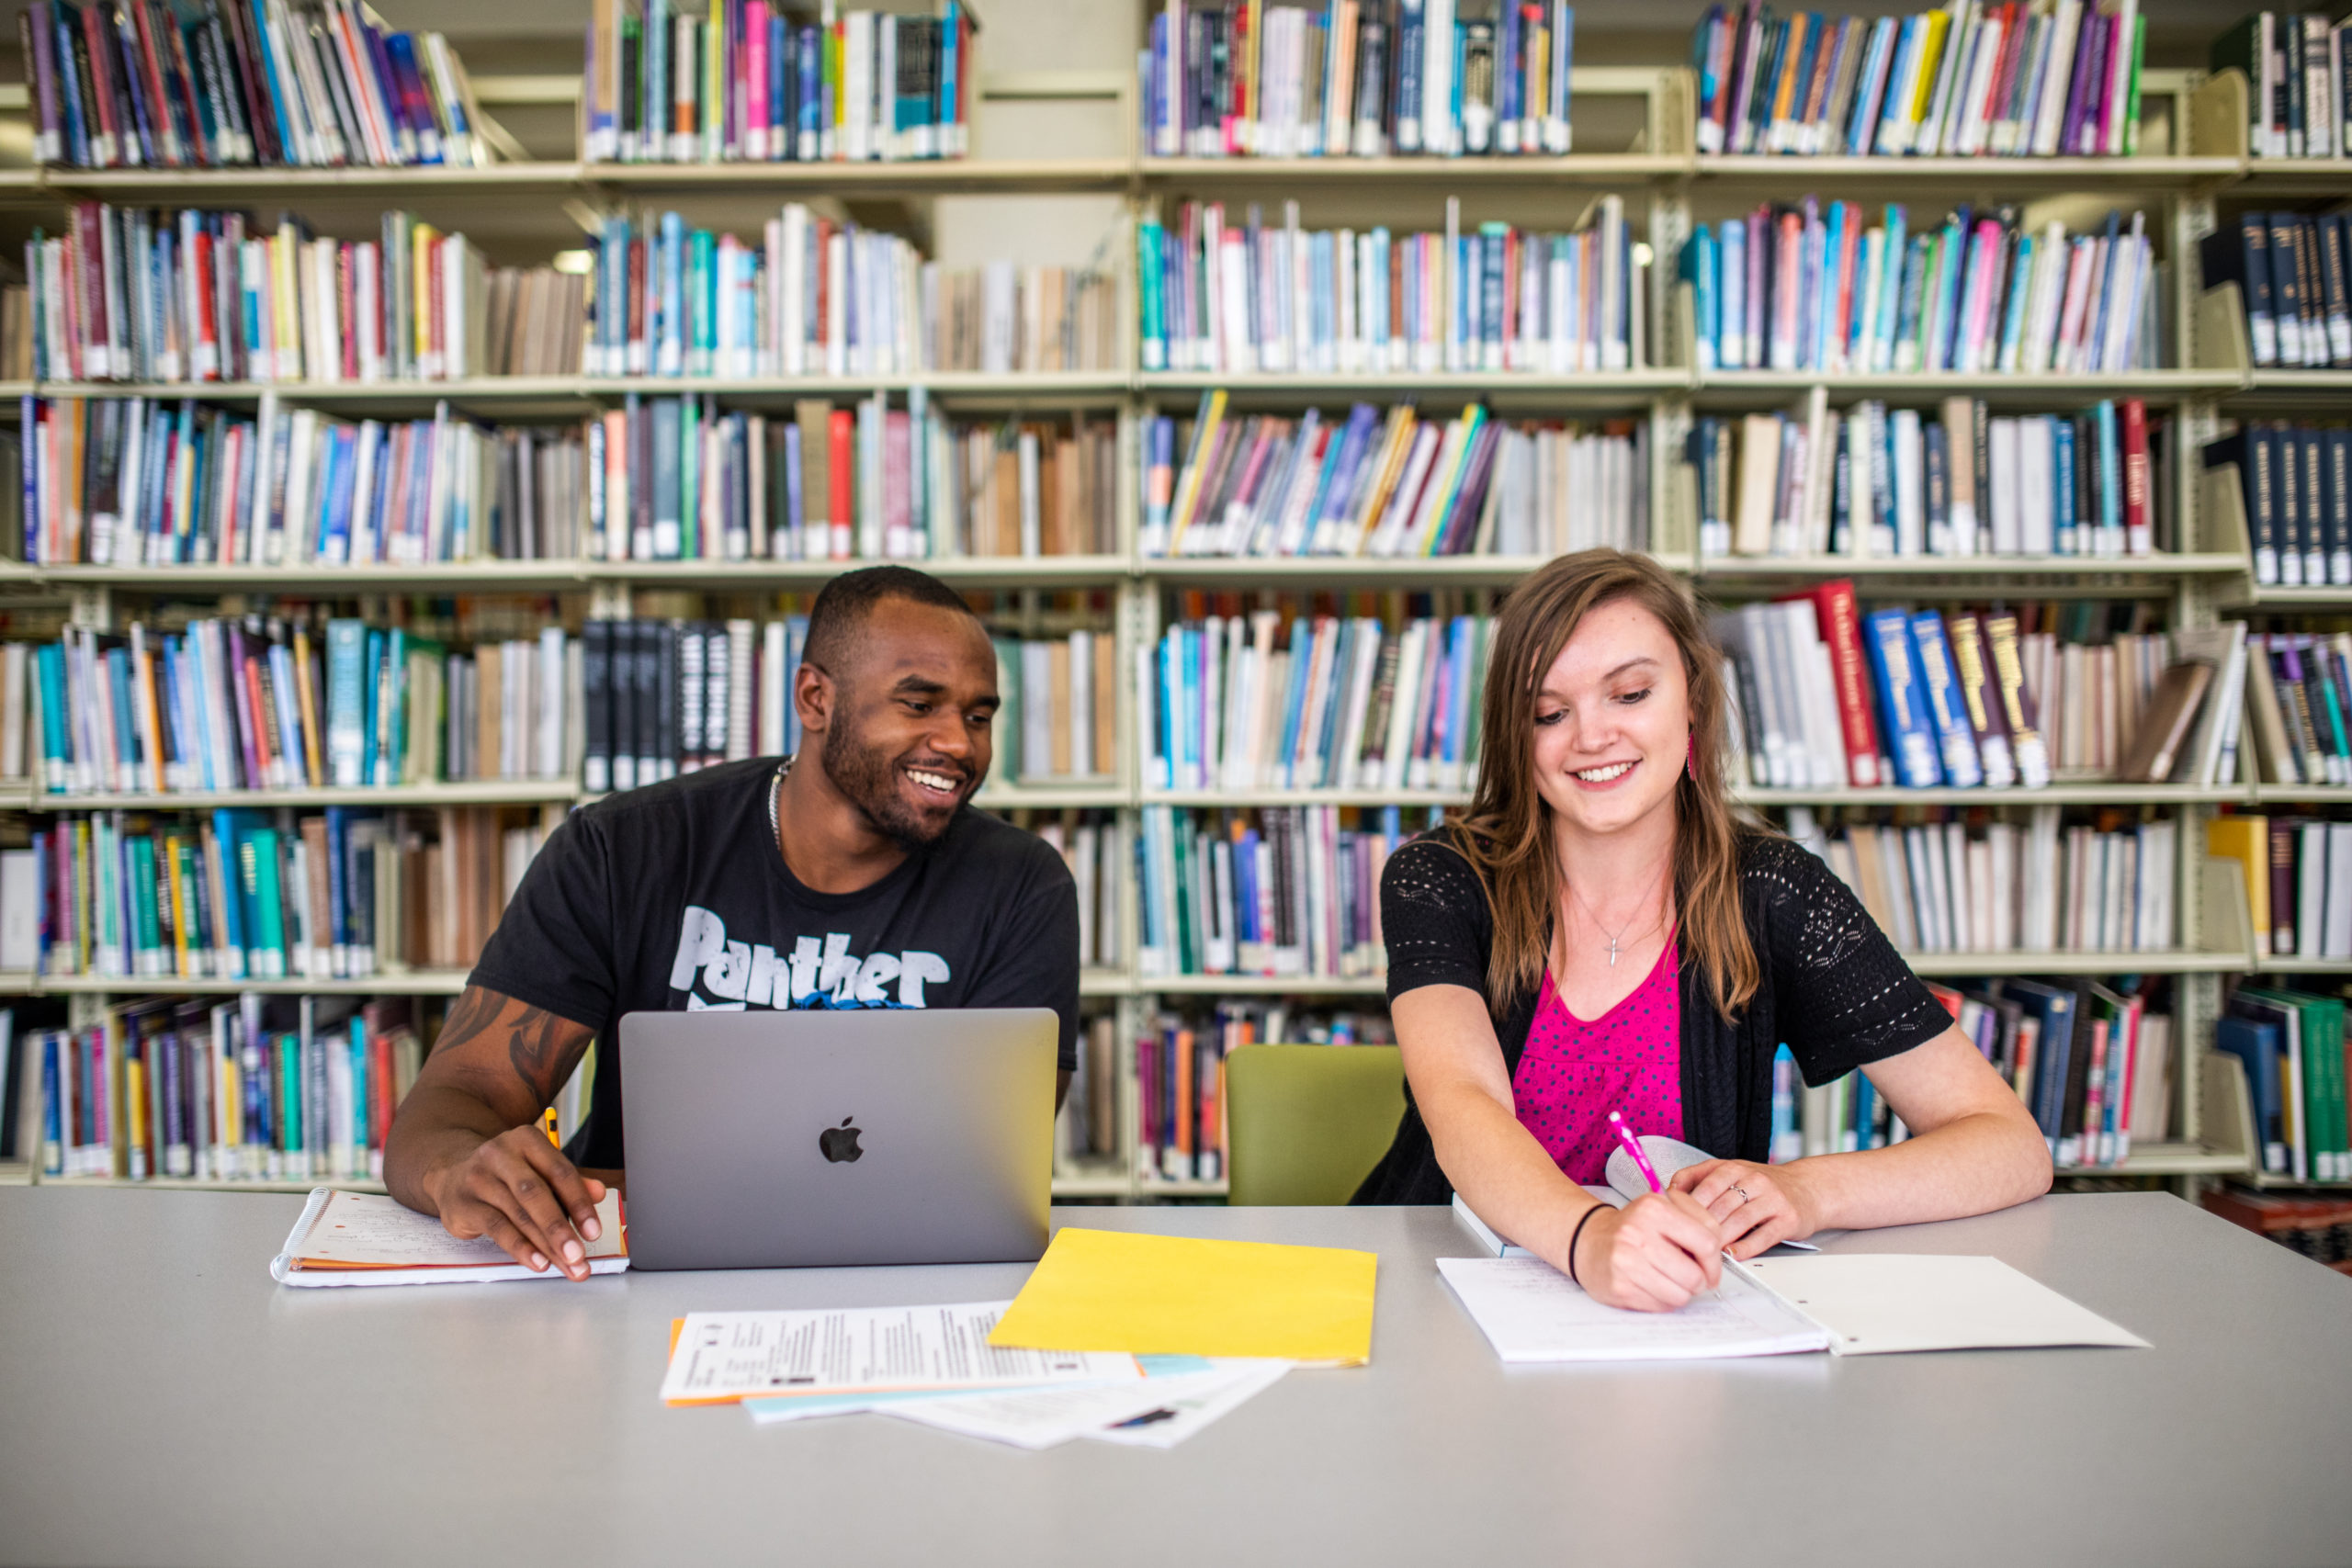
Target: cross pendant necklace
point(1620, 934)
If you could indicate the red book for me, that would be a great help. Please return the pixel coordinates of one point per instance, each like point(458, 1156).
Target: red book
point(842, 459)
point(89, 288)
point(159, 105)
point(204, 334)
point(2139, 528)
point(112, 150)
point(1832, 605)
point(346, 309)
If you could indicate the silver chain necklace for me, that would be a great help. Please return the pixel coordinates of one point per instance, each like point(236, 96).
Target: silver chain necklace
point(776, 791)
point(1613, 941)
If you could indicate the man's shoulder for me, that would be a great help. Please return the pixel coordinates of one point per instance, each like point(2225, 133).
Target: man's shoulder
point(981, 842)
point(722, 787)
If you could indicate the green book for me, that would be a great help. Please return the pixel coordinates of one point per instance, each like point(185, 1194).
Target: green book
point(146, 935)
point(257, 872)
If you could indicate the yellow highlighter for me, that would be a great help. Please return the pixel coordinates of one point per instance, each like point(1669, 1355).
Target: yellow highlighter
point(547, 1125)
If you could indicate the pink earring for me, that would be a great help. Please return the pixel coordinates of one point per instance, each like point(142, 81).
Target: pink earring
point(1690, 758)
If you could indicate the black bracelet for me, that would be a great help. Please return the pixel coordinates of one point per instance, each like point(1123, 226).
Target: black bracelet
point(1572, 1242)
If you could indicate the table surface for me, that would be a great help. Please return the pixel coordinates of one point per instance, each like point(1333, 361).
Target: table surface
point(162, 1402)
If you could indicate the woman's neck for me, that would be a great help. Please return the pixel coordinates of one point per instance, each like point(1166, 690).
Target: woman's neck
point(1616, 871)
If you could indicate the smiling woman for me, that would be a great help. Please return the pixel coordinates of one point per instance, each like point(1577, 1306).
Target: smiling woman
point(1598, 933)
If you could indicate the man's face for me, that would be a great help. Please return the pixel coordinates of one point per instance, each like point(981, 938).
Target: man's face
point(909, 738)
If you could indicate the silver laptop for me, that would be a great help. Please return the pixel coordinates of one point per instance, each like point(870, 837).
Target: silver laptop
point(769, 1140)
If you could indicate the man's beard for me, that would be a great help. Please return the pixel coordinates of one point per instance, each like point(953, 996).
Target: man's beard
point(869, 781)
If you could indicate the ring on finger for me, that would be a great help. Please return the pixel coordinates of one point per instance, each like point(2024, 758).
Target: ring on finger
point(1743, 1194)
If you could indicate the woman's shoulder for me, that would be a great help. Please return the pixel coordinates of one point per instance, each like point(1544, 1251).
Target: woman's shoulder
point(1432, 869)
point(1777, 870)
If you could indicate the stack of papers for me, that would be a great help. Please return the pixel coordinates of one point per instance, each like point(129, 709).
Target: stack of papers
point(360, 1238)
point(1529, 1311)
point(933, 1365)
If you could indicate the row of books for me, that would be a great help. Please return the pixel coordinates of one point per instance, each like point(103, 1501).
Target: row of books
point(2292, 1044)
point(1096, 847)
point(254, 1088)
point(1875, 480)
point(2299, 687)
point(1245, 702)
point(1825, 695)
point(241, 894)
point(1213, 296)
point(1289, 891)
point(2092, 1064)
point(2293, 277)
point(142, 481)
point(1360, 78)
point(249, 702)
point(241, 82)
point(817, 296)
point(1086, 1127)
point(674, 479)
point(1975, 78)
point(1180, 1079)
point(2030, 886)
point(2299, 881)
point(1402, 485)
point(1792, 287)
point(745, 80)
point(131, 294)
point(2299, 83)
point(1058, 720)
point(661, 697)
point(2296, 482)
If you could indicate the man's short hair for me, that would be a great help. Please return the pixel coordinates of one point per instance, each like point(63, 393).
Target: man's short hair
point(842, 607)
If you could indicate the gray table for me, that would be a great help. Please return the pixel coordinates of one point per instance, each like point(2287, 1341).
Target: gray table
point(160, 1401)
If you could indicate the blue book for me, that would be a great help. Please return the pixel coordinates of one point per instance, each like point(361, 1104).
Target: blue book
point(1865, 1108)
point(56, 755)
point(1731, 281)
point(392, 729)
point(1911, 288)
point(231, 941)
point(1700, 266)
point(290, 722)
point(1951, 268)
point(371, 686)
point(2013, 318)
point(1945, 702)
point(1412, 32)
point(346, 703)
point(2063, 521)
point(2259, 1045)
point(1827, 328)
point(116, 675)
point(2109, 489)
point(1870, 92)
point(812, 94)
point(1302, 649)
point(2053, 1008)
point(338, 921)
point(1909, 729)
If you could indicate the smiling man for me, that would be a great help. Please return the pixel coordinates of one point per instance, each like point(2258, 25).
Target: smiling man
point(853, 875)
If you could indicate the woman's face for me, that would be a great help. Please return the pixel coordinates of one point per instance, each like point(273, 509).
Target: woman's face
point(1612, 721)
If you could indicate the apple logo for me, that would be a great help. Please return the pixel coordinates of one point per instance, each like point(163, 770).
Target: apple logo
point(839, 1144)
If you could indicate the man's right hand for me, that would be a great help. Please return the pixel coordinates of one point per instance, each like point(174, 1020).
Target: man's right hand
point(519, 1191)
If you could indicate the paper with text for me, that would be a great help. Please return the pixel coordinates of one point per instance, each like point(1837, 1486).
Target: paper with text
point(1041, 1419)
point(724, 1356)
point(1529, 1311)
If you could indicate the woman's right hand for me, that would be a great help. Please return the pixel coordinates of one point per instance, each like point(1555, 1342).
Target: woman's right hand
point(1653, 1255)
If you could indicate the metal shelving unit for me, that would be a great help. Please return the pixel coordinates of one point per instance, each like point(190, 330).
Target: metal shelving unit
point(1660, 170)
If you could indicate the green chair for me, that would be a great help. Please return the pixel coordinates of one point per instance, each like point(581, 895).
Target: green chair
point(1305, 1123)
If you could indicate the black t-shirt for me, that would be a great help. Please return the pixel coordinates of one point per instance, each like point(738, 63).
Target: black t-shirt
point(674, 898)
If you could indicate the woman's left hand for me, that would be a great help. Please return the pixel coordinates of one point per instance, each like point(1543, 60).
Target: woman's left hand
point(1759, 1206)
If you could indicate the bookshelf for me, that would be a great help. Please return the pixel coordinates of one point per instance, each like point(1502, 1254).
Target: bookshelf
point(1634, 138)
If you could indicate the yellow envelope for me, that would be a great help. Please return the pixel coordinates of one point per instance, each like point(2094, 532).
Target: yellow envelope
point(1172, 1295)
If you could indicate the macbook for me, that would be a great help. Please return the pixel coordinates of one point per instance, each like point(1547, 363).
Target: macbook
point(769, 1140)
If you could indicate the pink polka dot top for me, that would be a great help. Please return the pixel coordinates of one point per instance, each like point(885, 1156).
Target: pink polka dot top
point(1573, 1073)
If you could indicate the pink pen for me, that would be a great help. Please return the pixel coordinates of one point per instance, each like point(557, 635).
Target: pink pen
point(1634, 1147)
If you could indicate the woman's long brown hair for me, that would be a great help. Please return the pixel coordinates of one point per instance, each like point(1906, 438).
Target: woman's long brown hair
point(1507, 829)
